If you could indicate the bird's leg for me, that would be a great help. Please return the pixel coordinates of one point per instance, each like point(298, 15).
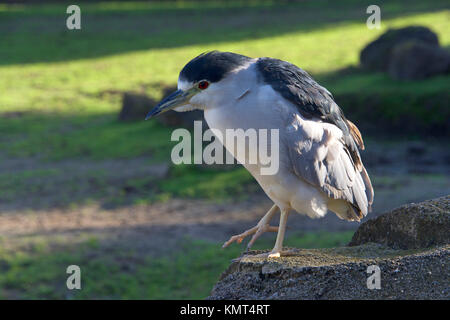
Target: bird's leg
point(276, 251)
point(263, 226)
point(260, 228)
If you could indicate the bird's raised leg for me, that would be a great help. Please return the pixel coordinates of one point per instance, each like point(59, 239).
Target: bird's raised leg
point(276, 251)
point(263, 226)
point(260, 228)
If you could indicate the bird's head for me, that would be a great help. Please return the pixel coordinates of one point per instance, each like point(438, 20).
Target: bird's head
point(201, 81)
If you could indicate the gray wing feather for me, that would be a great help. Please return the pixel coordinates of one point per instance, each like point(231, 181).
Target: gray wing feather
point(324, 161)
point(311, 99)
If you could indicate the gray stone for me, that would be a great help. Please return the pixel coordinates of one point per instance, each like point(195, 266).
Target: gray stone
point(409, 227)
point(181, 119)
point(413, 254)
point(377, 54)
point(414, 60)
point(135, 106)
point(338, 273)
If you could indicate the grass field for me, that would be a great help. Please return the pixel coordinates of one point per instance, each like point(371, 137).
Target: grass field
point(60, 94)
point(60, 84)
point(39, 270)
point(60, 87)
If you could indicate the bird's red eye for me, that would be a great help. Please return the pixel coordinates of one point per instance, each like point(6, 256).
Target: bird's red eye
point(203, 84)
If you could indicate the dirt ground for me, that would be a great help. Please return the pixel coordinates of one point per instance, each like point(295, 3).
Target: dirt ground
point(401, 173)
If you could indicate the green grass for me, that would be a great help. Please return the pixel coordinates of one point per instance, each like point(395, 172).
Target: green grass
point(60, 94)
point(60, 89)
point(59, 79)
point(189, 181)
point(38, 271)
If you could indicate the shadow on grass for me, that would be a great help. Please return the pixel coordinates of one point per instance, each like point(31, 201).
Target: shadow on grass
point(64, 160)
point(34, 267)
point(38, 33)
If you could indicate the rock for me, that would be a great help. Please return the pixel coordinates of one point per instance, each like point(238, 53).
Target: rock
point(181, 119)
point(342, 273)
point(135, 106)
point(12, 114)
point(338, 273)
point(376, 55)
point(409, 227)
point(414, 60)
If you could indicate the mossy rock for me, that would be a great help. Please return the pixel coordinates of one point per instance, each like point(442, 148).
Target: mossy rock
point(135, 106)
point(411, 226)
point(337, 273)
point(414, 60)
point(397, 113)
point(376, 55)
point(409, 247)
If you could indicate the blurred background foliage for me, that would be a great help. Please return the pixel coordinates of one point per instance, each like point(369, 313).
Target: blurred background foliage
point(62, 146)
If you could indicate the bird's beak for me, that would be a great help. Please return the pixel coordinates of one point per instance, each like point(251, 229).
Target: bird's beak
point(175, 99)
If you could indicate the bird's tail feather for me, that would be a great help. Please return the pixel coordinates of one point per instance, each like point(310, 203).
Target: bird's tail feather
point(356, 134)
point(345, 210)
point(369, 188)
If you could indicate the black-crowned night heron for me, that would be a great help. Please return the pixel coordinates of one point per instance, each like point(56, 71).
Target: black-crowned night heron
point(320, 167)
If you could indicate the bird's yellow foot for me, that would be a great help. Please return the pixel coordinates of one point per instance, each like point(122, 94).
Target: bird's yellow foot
point(274, 254)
